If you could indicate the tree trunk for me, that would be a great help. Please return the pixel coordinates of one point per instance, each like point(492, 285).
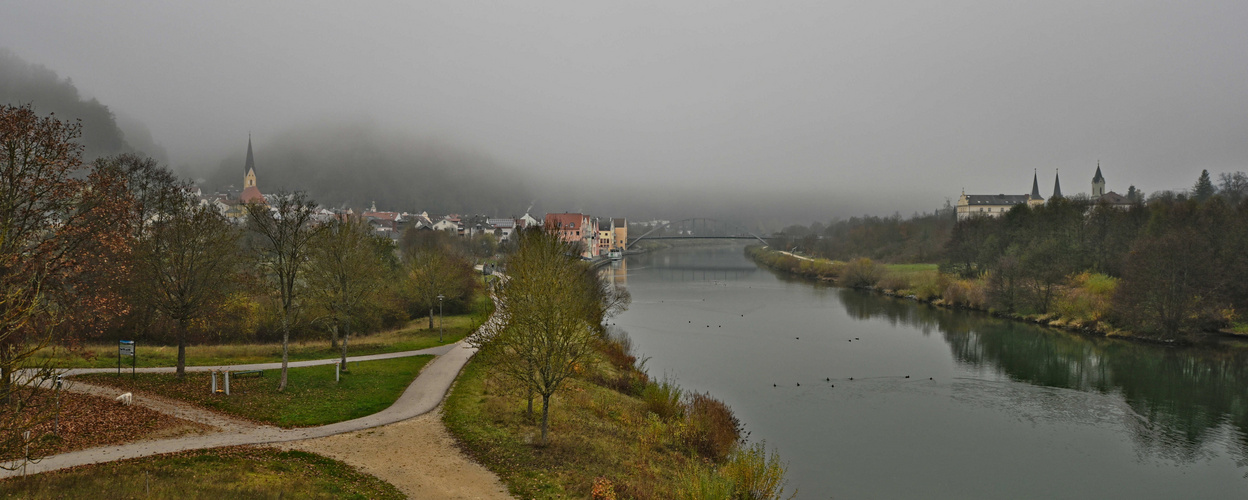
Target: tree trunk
point(545, 417)
point(529, 393)
point(346, 334)
point(281, 386)
point(333, 335)
point(6, 376)
point(430, 318)
point(181, 348)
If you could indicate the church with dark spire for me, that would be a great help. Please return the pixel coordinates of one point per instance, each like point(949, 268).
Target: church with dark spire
point(251, 193)
point(996, 205)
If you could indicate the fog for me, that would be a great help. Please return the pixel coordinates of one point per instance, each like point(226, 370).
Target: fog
point(764, 110)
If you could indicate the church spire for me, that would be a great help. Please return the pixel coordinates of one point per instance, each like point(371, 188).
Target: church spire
point(250, 165)
point(1035, 186)
point(1057, 185)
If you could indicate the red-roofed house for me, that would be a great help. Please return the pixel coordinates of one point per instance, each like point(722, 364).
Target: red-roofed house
point(575, 228)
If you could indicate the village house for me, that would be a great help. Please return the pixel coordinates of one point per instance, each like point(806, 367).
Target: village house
point(619, 228)
point(575, 228)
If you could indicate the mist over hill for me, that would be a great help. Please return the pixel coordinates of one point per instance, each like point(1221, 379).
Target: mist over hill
point(360, 163)
point(103, 133)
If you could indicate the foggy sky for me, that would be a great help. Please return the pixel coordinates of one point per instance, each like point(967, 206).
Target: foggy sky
point(863, 107)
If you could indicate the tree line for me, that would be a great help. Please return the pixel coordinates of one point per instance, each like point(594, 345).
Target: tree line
point(120, 248)
point(1166, 264)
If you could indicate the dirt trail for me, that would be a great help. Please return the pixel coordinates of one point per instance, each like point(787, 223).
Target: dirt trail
point(418, 456)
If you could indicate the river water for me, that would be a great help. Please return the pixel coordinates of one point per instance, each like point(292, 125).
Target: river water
point(902, 400)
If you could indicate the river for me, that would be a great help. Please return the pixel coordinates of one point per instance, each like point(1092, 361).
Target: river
point(876, 397)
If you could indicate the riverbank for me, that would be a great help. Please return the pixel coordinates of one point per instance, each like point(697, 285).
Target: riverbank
point(1080, 306)
point(615, 432)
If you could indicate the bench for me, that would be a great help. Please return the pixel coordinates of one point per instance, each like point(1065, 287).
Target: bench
point(258, 373)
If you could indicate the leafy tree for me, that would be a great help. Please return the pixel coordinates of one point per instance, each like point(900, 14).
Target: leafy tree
point(1203, 190)
point(63, 250)
point(548, 317)
point(187, 261)
point(345, 274)
point(285, 229)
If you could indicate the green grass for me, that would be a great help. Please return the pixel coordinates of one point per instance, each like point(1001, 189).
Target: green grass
point(238, 472)
point(595, 432)
point(910, 268)
point(413, 336)
point(311, 397)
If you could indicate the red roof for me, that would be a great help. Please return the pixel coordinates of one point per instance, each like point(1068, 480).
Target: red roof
point(564, 221)
point(251, 194)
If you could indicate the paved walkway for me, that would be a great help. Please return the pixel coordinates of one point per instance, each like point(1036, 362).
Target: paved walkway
point(422, 396)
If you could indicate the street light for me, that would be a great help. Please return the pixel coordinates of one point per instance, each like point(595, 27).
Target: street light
point(440, 317)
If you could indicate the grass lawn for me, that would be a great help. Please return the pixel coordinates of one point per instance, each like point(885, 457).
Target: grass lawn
point(415, 335)
point(237, 472)
point(911, 268)
point(311, 398)
point(595, 432)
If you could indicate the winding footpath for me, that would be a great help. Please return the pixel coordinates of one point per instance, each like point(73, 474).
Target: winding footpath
point(423, 395)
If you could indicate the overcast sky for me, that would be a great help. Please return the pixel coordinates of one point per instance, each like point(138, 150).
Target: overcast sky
point(882, 105)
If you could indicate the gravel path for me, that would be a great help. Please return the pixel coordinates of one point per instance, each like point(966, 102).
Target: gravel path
point(417, 455)
point(423, 395)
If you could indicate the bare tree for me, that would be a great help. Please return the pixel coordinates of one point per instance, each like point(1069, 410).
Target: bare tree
point(434, 272)
point(345, 274)
point(187, 263)
point(549, 317)
point(286, 228)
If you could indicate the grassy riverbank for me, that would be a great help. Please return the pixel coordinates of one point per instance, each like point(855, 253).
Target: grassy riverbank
point(238, 472)
point(1081, 303)
point(612, 428)
point(311, 398)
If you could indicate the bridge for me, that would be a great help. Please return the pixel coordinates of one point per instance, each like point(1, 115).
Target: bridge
point(688, 229)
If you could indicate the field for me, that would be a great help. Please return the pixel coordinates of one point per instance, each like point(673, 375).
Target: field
point(311, 398)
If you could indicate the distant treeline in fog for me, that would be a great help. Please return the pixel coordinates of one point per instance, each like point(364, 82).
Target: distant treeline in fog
point(103, 133)
point(360, 163)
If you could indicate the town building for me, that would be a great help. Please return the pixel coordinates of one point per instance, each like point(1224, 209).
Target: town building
point(619, 226)
point(996, 205)
point(576, 228)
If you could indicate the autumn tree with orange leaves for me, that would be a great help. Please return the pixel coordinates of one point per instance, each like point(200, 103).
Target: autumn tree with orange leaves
point(64, 251)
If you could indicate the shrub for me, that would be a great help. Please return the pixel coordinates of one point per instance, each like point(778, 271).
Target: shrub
point(1088, 298)
point(861, 273)
point(894, 282)
point(700, 483)
point(710, 427)
point(966, 293)
point(664, 399)
point(930, 286)
point(754, 474)
point(603, 489)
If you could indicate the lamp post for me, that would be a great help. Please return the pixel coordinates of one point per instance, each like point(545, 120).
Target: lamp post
point(440, 317)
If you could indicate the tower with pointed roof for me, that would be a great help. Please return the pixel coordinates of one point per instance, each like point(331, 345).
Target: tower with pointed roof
point(1098, 182)
point(251, 193)
point(1057, 185)
point(1035, 187)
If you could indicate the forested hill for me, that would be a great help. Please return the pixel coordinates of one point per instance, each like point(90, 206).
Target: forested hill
point(22, 82)
point(361, 163)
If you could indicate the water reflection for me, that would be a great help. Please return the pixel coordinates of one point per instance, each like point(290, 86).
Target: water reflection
point(1181, 399)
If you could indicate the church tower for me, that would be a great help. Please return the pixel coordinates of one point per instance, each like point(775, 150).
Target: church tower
point(1098, 182)
point(1057, 185)
point(251, 193)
